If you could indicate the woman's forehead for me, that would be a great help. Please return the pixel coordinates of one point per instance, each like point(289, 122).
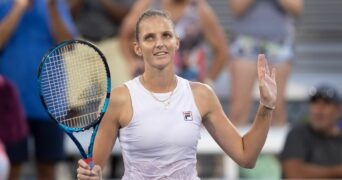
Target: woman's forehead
point(156, 23)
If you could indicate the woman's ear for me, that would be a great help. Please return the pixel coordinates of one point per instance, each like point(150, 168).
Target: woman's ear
point(177, 42)
point(137, 49)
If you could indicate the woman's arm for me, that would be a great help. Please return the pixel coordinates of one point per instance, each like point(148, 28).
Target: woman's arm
point(239, 7)
point(293, 7)
point(118, 115)
point(243, 150)
point(58, 28)
point(9, 23)
point(215, 35)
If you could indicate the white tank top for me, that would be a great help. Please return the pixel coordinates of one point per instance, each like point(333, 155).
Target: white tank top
point(160, 142)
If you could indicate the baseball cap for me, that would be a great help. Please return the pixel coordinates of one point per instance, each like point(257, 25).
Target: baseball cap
point(325, 92)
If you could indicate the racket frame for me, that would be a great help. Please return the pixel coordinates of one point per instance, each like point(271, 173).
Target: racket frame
point(68, 130)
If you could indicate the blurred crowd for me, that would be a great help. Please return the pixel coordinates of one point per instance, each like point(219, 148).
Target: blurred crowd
point(29, 28)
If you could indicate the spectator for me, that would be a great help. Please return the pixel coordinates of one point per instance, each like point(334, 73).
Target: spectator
point(13, 123)
point(195, 24)
point(99, 21)
point(313, 150)
point(13, 127)
point(260, 26)
point(28, 29)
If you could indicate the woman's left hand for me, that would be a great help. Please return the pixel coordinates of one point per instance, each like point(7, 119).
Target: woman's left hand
point(267, 83)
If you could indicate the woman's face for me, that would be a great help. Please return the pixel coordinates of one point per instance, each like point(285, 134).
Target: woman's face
point(157, 42)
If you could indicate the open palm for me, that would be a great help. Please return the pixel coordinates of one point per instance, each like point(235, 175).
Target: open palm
point(267, 83)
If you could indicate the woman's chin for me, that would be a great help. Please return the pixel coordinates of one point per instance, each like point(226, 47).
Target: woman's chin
point(162, 63)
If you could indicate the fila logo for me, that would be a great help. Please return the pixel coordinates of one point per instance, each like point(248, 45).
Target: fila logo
point(187, 115)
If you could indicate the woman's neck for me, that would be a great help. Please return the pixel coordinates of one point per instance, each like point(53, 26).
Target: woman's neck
point(159, 83)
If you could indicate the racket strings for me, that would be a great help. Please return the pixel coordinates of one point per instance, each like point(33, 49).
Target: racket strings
point(74, 122)
point(74, 85)
point(54, 87)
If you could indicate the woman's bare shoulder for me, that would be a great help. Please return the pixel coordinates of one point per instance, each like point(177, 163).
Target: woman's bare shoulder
point(204, 97)
point(200, 89)
point(120, 95)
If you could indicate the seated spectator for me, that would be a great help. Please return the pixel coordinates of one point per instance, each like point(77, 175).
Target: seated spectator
point(313, 150)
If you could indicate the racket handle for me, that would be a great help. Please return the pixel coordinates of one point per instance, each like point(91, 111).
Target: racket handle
point(90, 162)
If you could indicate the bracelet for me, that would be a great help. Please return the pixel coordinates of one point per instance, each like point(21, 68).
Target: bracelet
point(268, 107)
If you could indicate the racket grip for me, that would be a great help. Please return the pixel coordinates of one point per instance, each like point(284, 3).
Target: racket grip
point(90, 162)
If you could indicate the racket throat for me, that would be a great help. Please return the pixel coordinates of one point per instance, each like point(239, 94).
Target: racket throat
point(90, 162)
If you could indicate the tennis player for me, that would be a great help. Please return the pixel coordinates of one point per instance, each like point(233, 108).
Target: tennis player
point(157, 116)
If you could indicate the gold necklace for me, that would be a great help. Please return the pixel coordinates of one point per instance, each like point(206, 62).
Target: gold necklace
point(166, 101)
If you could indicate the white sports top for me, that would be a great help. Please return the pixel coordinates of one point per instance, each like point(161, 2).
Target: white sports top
point(160, 142)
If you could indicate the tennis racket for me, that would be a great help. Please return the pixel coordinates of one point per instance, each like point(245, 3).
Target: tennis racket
point(74, 84)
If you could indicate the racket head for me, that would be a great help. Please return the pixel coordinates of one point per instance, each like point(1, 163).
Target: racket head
point(74, 84)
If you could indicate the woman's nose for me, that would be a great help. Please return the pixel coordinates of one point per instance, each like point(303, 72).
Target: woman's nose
point(159, 43)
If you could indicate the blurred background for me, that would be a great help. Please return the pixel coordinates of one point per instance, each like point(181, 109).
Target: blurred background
point(317, 60)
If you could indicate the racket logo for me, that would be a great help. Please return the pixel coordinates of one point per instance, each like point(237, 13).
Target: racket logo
point(187, 116)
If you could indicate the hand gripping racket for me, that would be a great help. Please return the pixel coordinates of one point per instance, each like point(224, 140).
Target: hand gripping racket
point(74, 83)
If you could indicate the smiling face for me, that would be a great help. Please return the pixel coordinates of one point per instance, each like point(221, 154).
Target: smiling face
point(157, 42)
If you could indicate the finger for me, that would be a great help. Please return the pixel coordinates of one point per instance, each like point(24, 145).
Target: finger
point(266, 65)
point(96, 170)
point(85, 172)
point(93, 174)
point(273, 73)
point(83, 164)
point(261, 66)
point(84, 177)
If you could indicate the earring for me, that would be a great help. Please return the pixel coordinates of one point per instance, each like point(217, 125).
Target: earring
point(139, 53)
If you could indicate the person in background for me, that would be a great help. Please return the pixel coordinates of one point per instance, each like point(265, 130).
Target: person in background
point(198, 29)
point(99, 21)
point(29, 28)
point(13, 127)
point(314, 149)
point(260, 26)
